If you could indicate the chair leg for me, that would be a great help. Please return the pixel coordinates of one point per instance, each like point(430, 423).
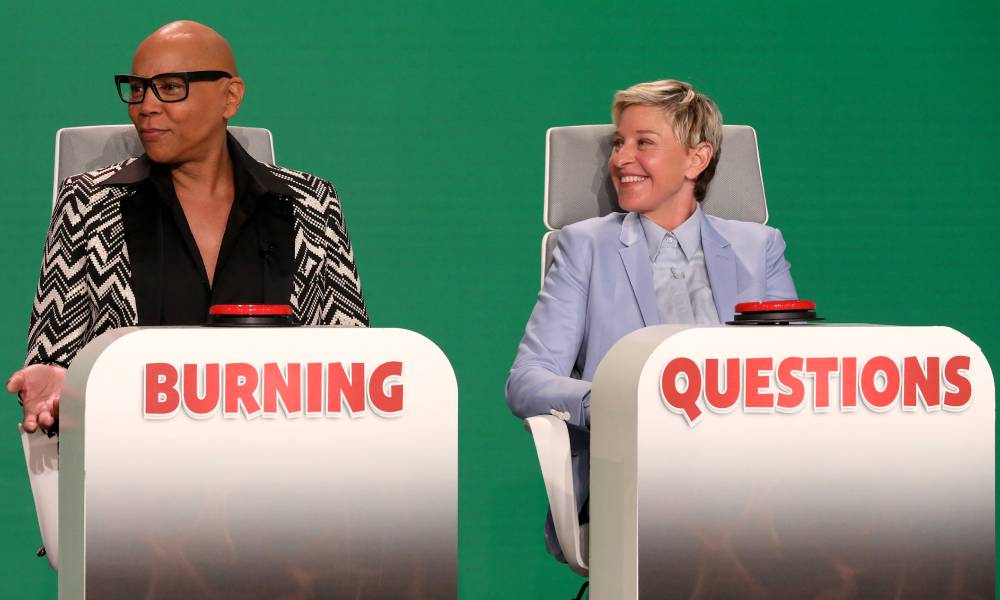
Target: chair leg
point(552, 445)
point(583, 588)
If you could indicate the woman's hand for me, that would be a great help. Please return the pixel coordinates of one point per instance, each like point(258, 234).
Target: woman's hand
point(39, 387)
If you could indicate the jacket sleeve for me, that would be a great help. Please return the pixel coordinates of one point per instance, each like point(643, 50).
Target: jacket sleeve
point(344, 303)
point(779, 284)
point(60, 314)
point(540, 380)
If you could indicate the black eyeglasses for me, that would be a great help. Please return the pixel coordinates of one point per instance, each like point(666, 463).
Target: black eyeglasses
point(168, 87)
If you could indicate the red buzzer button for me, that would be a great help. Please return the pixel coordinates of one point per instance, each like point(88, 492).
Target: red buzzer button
point(775, 305)
point(250, 310)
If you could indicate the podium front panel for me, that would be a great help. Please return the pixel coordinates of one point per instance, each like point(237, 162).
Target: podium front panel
point(793, 462)
point(259, 463)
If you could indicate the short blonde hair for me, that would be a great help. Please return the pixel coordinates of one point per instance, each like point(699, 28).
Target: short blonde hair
point(692, 115)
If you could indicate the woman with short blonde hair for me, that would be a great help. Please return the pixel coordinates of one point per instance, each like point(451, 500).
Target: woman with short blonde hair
point(693, 116)
point(662, 261)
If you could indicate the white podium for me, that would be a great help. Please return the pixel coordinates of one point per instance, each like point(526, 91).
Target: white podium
point(792, 462)
point(216, 462)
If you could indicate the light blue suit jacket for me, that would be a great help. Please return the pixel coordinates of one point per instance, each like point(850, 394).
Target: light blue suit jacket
point(600, 288)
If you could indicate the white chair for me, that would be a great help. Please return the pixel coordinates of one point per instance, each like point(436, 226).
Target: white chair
point(578, 187)
point(81, 149)
point(41, 453)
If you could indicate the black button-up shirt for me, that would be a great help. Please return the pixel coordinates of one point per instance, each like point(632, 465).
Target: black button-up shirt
point(256, 258)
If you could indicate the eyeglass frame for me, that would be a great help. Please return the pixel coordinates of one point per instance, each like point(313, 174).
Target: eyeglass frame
point(147, 82)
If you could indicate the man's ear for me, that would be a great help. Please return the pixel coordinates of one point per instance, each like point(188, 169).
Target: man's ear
point(234, 97)
point(698, 159)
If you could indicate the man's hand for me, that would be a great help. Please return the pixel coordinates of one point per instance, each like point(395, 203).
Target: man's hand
point(39, 387)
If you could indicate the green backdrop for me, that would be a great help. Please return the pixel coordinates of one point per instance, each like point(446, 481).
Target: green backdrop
point(878, 142)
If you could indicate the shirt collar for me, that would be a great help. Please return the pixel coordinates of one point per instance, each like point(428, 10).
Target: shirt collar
point(688, 234)
point(258, 175)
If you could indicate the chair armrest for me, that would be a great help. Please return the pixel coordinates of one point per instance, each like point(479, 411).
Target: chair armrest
point(41, 454)
point(551, 438)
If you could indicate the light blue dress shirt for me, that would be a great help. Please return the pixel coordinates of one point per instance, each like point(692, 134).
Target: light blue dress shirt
point(680, 279)
point(600, 289)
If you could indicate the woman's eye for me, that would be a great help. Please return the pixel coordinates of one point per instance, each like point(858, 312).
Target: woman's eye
point(645, 142)
point(616, 144)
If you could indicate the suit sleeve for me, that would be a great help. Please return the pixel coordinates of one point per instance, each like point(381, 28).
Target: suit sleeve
point(540, 380)
point(344, 304)
point(779, 272)
point(60, 314)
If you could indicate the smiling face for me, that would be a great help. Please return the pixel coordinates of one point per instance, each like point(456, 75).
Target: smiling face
point(177, 132)
point(652, 171)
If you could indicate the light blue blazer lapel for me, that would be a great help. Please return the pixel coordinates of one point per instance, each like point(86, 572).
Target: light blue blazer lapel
point(635, 259)
point(721, 264)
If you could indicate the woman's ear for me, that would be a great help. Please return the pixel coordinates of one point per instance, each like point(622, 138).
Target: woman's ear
point(698, 159)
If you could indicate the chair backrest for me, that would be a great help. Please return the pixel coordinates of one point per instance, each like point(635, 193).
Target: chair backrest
point(81, 149)
point(578, 187)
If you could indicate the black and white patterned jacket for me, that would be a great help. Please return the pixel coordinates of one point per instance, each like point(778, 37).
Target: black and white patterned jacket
point(85, 290)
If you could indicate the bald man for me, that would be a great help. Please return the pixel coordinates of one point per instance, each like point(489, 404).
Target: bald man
point(195, 221)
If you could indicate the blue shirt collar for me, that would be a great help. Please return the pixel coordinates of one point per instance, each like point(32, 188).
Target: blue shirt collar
point(688, 234)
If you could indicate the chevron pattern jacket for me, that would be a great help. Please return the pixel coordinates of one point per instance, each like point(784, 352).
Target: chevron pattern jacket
point(84, 288)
